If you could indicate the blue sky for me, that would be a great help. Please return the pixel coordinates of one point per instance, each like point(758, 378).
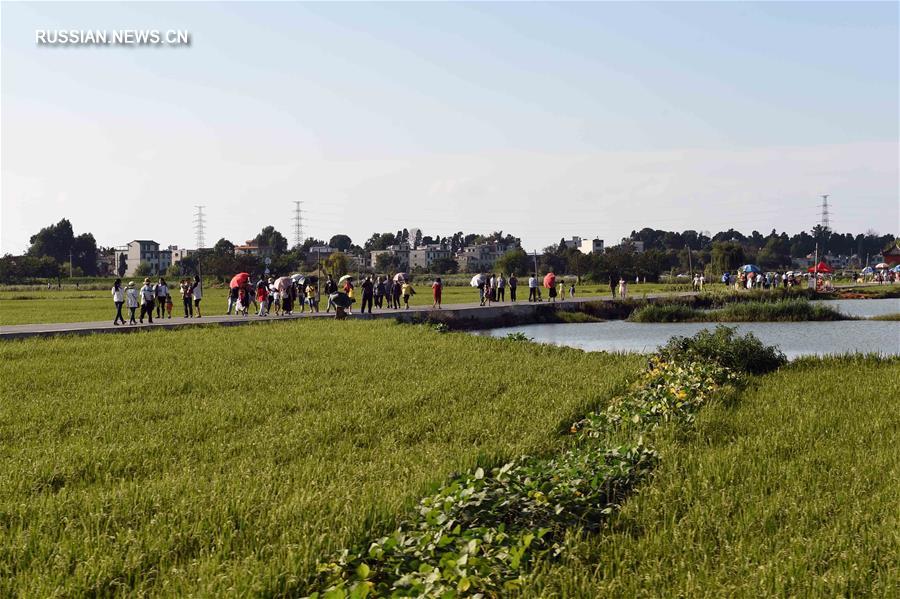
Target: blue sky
point(544, 120)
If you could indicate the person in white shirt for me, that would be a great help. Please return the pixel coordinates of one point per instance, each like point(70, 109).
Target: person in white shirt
point(148, 296)
point(118, 295)
point(197, 294)
point(162, 291)
point(131, 300)
point(532, 289)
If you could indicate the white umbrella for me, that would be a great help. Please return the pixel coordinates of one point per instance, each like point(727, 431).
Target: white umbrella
point(477, 280)
point(297, 277)
point(401, 277)
point(345, 278)
point(283, 284)
point(881, 266)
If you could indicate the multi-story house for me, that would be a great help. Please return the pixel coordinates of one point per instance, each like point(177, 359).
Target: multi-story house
point(130, 256)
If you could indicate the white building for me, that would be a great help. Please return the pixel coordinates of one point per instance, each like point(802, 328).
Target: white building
point(591, 246)
point(129, 257)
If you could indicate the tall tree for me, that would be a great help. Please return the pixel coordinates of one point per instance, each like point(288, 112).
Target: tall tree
point(269, 237)
point(223, 247)
point(341, 242)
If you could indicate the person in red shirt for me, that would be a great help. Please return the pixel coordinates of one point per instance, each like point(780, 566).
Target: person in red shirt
point(436, 289)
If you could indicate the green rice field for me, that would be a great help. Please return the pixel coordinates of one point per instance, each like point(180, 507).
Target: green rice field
point(219, 461)
point(792, 491)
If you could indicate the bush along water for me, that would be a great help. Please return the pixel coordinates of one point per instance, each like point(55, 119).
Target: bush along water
point(481, 532)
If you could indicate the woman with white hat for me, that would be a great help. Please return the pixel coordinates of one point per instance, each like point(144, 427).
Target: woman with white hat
point(131, 300)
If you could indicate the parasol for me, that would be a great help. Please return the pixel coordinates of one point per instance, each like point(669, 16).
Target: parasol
point(341, 300)
point(283, 284)
point(750, 268)
point(239, 280)
point(549, 280)
point(345, 278)
point(477, 281)
point(401, 277)
point(882, 265)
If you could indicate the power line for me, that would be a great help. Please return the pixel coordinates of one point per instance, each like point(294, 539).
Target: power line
point(298, 224)
point(199, 224)
point(826, 220)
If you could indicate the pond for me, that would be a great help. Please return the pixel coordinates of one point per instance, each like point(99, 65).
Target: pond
point(864, 308)
point(793, 338)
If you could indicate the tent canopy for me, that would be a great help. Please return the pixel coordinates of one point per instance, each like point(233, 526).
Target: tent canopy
point(820, 267)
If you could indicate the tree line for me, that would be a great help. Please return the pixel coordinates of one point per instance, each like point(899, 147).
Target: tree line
point(55, 251)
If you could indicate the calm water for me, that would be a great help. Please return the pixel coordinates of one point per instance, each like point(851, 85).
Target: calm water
point(793, 338)
point(864, 308)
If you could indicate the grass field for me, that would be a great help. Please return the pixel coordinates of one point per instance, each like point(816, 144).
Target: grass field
point(786, 310)
point(792, 492)
point(71, 305)
point(225, 461)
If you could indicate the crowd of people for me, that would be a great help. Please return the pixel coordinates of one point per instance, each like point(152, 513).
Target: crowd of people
point(155, 297)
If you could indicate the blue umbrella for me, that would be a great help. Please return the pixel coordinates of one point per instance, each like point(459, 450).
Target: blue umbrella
point(868, 270)
point(896, 268)
point(750, 268)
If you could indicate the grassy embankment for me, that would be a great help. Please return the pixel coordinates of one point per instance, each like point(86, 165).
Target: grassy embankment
point(788, 310)
point(792, 491)
point(226, 461)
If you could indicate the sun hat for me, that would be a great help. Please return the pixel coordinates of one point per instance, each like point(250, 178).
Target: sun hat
point(147, 280)
point(131, 284)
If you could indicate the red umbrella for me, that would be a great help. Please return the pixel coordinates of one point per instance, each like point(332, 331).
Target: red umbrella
point(239, 280)
point(820, 267)
point(549, 280)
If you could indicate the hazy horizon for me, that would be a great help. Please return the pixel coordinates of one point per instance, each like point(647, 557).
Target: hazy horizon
point(541, 120)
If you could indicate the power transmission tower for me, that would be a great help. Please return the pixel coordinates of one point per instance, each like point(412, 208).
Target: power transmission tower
point(826, 221)
point(298, 224)
point(199, 226)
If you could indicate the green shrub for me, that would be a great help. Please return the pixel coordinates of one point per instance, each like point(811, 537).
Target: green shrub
point(665, 313)
point(725, 347)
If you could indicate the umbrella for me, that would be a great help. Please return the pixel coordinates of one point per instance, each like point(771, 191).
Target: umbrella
point(345, 278)
point(312, 280)
point(750, 268)
point(868, 270)
point(896, 268)
point(283, 284)
point(549, 280)
point(239, 280)
point(477, 281)
point(881, 266)
point(298, 278)
point(341, 300)
point(401, 277)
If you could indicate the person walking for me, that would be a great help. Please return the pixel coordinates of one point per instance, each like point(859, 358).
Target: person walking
point(169, 305)
point(148, 296)
point(262, 298)
point(396, 292)
point(312, 297)
point(162, 290)
point(612, 286)
point(408, 292)
point(330, 289)
point(532, 289)
point(493, 288)
point(501, 288)
point(368, 293)
point(197, 294)
point(513, 283)
point(118, 295)
point(572, 291)
point(185, 288)
point(131, 300)
point(379, 292)
point(232, 299)
point(623, 288)
point(436, 290)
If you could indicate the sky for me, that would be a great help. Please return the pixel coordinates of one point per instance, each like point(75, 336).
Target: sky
point(544, 120)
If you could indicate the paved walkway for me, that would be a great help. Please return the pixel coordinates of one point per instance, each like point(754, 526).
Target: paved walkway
point(21, 331)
